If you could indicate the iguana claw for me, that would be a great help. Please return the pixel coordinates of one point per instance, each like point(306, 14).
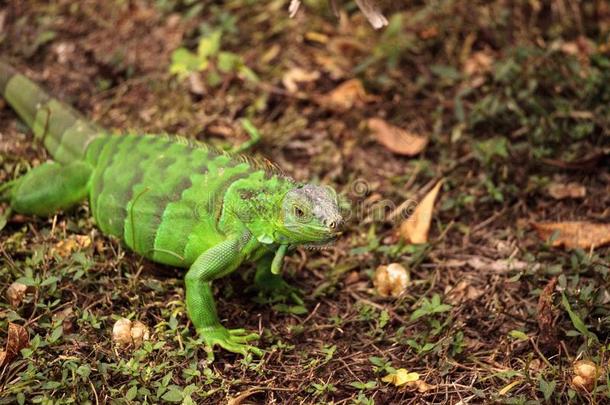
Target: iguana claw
point(233, 340)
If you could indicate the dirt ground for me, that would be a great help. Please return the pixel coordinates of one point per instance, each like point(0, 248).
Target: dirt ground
point(514, 101)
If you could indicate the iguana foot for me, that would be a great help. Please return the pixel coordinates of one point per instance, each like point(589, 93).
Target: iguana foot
point(5, 190)
point(233, 340)
point(277, 289)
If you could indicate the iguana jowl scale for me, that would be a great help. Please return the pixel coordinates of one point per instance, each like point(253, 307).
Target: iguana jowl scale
point(174, 202)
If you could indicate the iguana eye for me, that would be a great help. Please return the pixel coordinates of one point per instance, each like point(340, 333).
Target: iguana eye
point(298, 212)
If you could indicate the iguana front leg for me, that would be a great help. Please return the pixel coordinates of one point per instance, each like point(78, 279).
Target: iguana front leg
point(270, 282)
point(210, 265)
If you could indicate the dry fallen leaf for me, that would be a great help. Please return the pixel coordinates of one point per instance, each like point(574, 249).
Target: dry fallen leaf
point(196, 85)
point(352, 278)
point(415, 228)
point(16, 340)
point(546, 314)
point(318, 37)
point(581, 48)
point(400, 377)
point(65, 247)
point(65, 317)
point(462, 292)
point(574, 234)
point(296, 75)
point(16, 292)
point(421, 386)
point(507, 388)
point(345, 96)
point(560, 191)
point(478, 63)
point(391, 280)
point(397, 139)
point(403, 378)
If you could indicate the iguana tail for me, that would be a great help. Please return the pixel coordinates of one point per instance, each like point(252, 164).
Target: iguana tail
point(64, 132)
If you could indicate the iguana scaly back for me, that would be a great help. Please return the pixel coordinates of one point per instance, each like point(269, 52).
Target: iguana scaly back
point(173, 201)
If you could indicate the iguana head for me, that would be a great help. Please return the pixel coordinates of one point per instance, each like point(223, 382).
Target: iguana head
point(310, 216)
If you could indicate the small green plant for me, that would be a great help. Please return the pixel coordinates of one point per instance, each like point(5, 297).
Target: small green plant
point(319, 389)
point(364, 386)
point(491, 148)
point(429, 307)
point(211, 59)
point(381, 365)
point(547, 388)
point(420, 348)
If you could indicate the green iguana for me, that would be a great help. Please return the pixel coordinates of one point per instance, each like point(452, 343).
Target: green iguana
point(174, 202)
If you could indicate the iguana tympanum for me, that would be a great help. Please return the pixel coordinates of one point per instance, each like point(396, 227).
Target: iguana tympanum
point(174, 202)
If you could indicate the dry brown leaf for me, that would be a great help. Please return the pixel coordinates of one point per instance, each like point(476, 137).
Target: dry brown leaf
point(560, 191)
point(546, 314)
point(16, 340)
point(428, 32)
point(352, 278)
point(65, 247)
point(316, 37)
point(575, 234)
point(16, 292)
point(270, 54)
point(345, 96)
point(196, 85)
point(478, 63)
point(415, 228)
point(582, 47)
point(297, 75)
point(65, 317)
point(335, 67)
point(397, 139)
point(421, 386)
point(462, 292)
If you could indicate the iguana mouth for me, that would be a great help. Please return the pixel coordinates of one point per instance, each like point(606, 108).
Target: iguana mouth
point(321, 245)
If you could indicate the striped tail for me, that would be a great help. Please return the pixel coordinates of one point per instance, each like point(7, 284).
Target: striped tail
point(64, 132)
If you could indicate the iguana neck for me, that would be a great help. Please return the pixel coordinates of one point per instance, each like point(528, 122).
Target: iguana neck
point(255, 203)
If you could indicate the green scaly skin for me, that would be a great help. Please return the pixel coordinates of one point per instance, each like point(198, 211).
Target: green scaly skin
point(173, 202)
